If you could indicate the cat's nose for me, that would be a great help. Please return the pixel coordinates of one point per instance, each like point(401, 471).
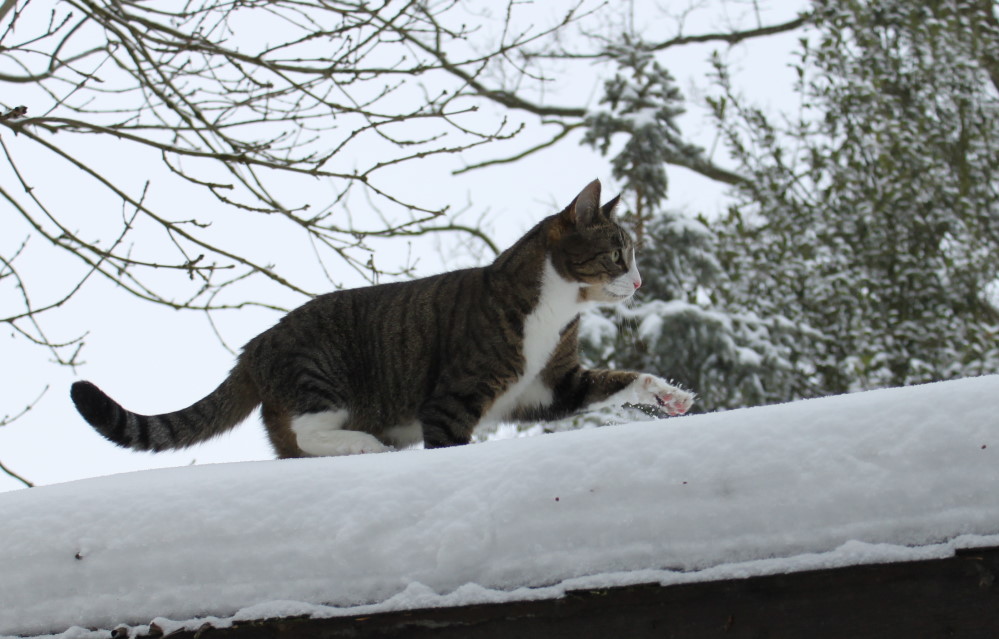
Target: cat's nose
point(638, 283)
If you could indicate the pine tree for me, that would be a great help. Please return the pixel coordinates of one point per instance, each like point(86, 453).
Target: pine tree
point(676, 327)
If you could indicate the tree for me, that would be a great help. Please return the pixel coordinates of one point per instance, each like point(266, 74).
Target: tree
point(247, 118)
point(861, 248)
point(731, 357)
point(872, 219)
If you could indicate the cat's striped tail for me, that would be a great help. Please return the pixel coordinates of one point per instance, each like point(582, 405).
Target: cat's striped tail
point(223, 408)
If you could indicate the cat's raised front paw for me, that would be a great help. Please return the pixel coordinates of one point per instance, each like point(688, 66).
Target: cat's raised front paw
point(673, 400)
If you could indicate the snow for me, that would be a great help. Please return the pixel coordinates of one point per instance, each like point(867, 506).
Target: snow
point(891, 475)
point(640, 118)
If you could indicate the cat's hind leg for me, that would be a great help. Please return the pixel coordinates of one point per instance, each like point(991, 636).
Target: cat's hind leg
point(278, 423)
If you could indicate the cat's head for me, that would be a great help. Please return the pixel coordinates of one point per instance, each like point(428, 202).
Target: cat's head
point(589, 246)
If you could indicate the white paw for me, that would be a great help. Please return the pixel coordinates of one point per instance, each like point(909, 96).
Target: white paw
point(340, 442)
point(655, 390)
point(361, 446)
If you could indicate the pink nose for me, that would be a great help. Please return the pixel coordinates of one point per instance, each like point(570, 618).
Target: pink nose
point(638, 283)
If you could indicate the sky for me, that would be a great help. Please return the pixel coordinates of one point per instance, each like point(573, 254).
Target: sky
point(873, 477)
point(153, 359)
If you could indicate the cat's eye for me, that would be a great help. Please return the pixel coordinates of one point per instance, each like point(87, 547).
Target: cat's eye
point(616, 255)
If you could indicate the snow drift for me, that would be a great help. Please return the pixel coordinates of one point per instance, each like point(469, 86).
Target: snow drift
point(879, 476)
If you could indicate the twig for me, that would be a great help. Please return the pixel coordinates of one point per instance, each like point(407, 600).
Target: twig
point(16, 476)
point(8, 419)
point(734, 37)
point(6, 7)
point(566, 129)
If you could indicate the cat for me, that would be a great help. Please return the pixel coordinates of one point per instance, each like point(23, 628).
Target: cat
point(381, 367)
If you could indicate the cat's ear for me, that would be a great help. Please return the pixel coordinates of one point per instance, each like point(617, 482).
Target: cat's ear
point(609, 208)
point(585, 209)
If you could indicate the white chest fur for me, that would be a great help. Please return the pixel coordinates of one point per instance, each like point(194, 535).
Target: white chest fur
point(557, 305)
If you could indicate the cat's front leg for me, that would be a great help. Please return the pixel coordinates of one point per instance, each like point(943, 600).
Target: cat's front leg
point(649, 389)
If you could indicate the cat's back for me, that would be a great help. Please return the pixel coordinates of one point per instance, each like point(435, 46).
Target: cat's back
point(421, 302)
point(408, 319)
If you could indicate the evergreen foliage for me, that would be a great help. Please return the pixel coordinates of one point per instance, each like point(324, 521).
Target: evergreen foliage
point(727, 356)
point(874, 217)
point(643, 102)
point(862, 247)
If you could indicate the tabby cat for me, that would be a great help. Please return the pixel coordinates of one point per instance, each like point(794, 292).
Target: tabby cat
point(367, 369)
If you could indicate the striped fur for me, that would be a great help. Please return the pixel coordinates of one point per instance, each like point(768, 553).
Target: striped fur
point(434, 356)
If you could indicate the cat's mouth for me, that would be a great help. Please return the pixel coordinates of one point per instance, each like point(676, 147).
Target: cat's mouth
point(620, 297)
point(606, 294)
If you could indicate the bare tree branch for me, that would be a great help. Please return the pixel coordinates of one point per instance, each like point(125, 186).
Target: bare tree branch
point(6, 7)
point(11, 473)
point(733, 37)
point(571, 117)
point(10, 419)
point(566, 130)
point(179, 81)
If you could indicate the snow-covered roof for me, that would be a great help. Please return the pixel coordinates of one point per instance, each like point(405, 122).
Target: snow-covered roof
point(880, 476)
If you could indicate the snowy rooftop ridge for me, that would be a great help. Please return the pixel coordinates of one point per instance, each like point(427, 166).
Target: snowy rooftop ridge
point(890, 475)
